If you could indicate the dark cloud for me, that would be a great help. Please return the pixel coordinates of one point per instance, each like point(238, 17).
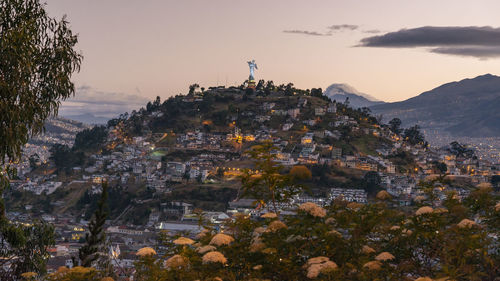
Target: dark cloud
point(340, 27)
point(477, 52)
point(480, 42)
point(305, 32)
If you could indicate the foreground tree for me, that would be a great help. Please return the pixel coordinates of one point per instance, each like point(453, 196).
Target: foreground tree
point(95, 240)
point(268, 183)
point(37, 58)
point(344, 241)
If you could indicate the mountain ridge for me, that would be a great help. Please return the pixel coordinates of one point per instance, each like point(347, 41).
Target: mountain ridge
point(468, 107)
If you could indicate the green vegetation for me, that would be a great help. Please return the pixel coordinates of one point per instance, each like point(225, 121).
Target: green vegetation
point(344, 241)
point(413, 136)
point(270, 184)
point(90, 139)
point(95, 239)
point(37, 60)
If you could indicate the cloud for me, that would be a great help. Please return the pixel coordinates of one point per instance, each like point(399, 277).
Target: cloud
point(472, 41)
point(88, 100)
point(477, 52)
point(372, 31)
point(331, 29)
point(341, 27)
point(305, 32)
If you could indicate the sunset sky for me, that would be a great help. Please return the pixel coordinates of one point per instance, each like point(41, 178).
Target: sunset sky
point(136, 50)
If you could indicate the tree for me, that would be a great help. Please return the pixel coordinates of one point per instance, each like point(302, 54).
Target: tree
point(260, 85)
point(269, 185)
point(34, 161)
point(193, 88)
point(317, 92)
point(372, 182)
point(91, 138)
point(441, 167)
point(289, 89)
point(30, 245)
point(269, 87)
point(460, 150)
point(38, 57)
point(495, 182)
point(343, 241)
point(65, 158)
point(300, 172)
point(394, 125)
point(95, 238)
point(347, 102)
point(413, 135)
point(157, 103)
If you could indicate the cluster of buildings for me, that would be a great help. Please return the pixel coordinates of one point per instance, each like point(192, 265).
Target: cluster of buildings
point(212, 156)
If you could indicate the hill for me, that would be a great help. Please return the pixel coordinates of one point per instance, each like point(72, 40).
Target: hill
point(88, 118)
point(465, 108)
point(151, 155)
point(340, 92)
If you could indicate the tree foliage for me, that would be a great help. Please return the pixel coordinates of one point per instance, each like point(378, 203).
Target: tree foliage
point(372, 182)
point(24, 248)
point(395, 125)
point(65, 158)
point(38, 57)
point(95, 238)
point(460, 150)
point(360, 242)
point(414, 136)
point(269, 184)
point(90, 138)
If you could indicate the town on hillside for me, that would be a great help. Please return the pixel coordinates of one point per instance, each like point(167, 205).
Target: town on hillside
point(171, 162)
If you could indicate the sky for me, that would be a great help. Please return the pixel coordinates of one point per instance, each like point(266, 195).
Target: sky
point(390, 49)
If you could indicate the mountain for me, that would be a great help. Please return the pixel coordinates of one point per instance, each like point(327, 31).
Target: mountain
point(340, 92)
point(469, 107)
point(88, 118)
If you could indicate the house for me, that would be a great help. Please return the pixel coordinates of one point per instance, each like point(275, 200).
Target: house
point(268, 105)
point(332, 108)
point(336, 153)
point(287, 126)
point(348, 194)
point(177, 208)
point(307, 139)
point(293, 112)
point(196, 172)
point(319, 111)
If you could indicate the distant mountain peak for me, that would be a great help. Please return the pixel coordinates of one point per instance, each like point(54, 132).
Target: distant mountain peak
point(342, 89)
point(340, 92)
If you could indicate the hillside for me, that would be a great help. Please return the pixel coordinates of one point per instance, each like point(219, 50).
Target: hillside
point(211, 129)
point(339, 93)
point(465, 108)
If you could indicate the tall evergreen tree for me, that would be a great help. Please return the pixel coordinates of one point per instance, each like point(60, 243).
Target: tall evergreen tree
point(95, 238)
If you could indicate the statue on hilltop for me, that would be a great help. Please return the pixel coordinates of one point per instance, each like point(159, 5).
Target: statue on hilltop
point(252, 66)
